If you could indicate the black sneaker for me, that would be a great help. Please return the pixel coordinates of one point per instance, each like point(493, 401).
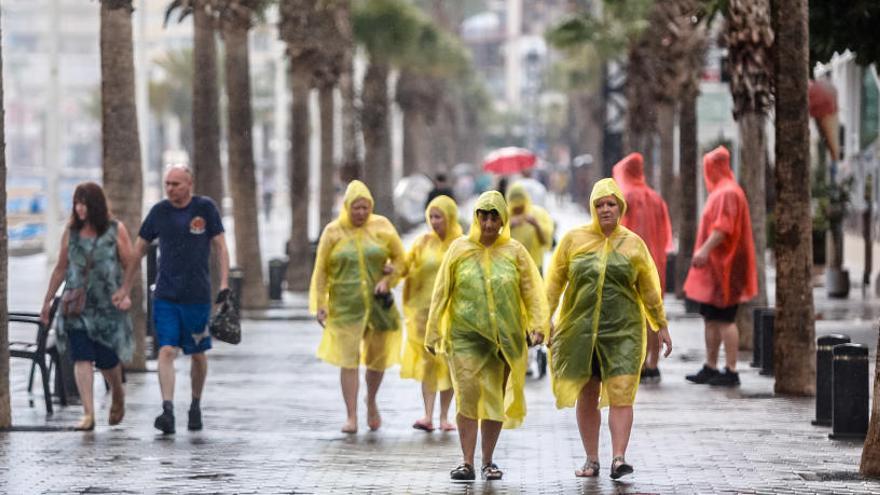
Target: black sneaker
point(195, 420)
point(726, 379)
point(165, 422)
point(704, 375)
point(464, 472)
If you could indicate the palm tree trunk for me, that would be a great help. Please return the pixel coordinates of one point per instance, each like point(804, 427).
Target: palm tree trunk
point(206, 119)
point(794, 330)
point(687, 231)
point(666, 130)
point(377, 160)
point(300, 267)
point(121, 157)
point(328, 166)
point(412, 162)
point(351, 167)
point(870, 463)
point(5, 406)
point(241, 169)
point(205, 112)
point(752, 177)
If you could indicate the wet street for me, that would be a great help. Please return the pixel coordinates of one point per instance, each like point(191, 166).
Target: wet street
point(273, 412)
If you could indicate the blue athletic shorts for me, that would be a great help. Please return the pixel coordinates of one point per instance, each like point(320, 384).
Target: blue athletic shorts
point(182, 325)
point(82, 348)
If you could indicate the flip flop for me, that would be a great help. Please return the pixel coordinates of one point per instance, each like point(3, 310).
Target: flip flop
point(419, 425)
point(447, 427)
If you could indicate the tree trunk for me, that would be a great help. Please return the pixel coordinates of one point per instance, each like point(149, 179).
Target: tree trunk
point(752, 175)
point(351, 163)
point(377, 160)
point(666, 130)
point(241, 168)
point(206, 120)
point(687, 231)
point(5, 406)
point(870, 464)
point(413, 149)
point(793, 331)
point(206, 113)
point(121, 157)
point(299, 269)
point(328, 166)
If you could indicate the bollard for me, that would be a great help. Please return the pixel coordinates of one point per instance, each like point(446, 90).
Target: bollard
point(670, 273)
point(756, 334)
point(277, 270)
point(824, 366)
point(236, 283)
point(768, 318)
point(849, 392)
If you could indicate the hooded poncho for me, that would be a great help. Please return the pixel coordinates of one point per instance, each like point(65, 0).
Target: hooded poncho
point(484, 302)
point(525, 233)
point(349, 264)
point(646, 212)
point(422, 263)
point(609, 287)
point(730, 276)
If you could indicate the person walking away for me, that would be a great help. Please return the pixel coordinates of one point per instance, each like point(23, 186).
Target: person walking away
point(94, 259)
point(188, 228)
point(648, 217)
point(441, 188)
point(723, 273)
point(610, 289)
point(530, 224)
point(487, 297)
point(350, 295)
point(422, 262)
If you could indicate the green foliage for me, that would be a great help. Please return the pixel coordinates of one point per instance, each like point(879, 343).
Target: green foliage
point(621, 23)
point(386, 28)
point(836, 26)
point(830, 200)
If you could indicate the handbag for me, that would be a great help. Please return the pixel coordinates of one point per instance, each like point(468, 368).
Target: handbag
point(73, 300)
point(225, 325)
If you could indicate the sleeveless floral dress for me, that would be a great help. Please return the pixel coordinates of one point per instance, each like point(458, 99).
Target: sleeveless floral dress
point(100, 319)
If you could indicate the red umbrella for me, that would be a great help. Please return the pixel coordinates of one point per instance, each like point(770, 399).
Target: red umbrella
point(509, 160)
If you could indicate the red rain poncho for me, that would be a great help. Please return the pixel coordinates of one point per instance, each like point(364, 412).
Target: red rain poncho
point(729, 277)
point(646, 212)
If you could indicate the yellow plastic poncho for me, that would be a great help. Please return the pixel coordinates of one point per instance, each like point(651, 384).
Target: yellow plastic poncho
point(525, 233)
point(611, 286)
point(349, 264)
point(422, 263)
point(485, 300)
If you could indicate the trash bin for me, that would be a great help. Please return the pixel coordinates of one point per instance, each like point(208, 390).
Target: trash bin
point(277, 271)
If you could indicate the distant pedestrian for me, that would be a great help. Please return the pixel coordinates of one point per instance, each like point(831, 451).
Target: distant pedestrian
point(648, 217)
point(188, 228)
point(422, 263)
point(530, 224)
point(487, 298)
point(350, 294)
point(94, 259)
point(723, 273)
point(441, 188)
point(610, 287)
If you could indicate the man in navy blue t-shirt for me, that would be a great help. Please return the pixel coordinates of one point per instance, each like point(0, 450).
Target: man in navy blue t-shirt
point(187, 227)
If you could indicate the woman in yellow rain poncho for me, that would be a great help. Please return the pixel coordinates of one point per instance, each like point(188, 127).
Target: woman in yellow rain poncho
point(598, 343)
point(530, 224)
point(487, 297)
point(422, 263)
point(350, 295)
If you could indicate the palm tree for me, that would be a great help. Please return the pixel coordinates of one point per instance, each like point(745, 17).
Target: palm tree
point(205, 120)
point(387, 29)
point(794, 328)
point(236, 17)
point(303, 51)
point(121, 159)
point(174, 94)
point(749, 38)
point(5, 406)
point(351, 167)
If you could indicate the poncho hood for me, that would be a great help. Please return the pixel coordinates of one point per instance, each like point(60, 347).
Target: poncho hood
point(716, 168)
point(602, 188)
point(488, 201)
point(355, 190)
point(450, 211)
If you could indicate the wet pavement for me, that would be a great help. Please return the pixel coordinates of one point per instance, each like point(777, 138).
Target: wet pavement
point(272, 415)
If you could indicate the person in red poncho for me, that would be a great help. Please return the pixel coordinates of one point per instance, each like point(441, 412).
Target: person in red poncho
point(723, 273)
point(647, 216)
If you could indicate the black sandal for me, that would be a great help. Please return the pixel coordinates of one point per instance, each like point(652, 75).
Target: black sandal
point(619, 467)
point(464, 472)
point(491, 472)
point(593, 466)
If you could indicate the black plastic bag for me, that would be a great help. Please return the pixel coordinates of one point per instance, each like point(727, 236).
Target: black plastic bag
point(226, 324)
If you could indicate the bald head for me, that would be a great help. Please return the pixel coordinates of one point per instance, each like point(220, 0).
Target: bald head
point(178, 185)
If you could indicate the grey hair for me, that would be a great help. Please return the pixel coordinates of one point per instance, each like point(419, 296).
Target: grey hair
point(180, 166)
